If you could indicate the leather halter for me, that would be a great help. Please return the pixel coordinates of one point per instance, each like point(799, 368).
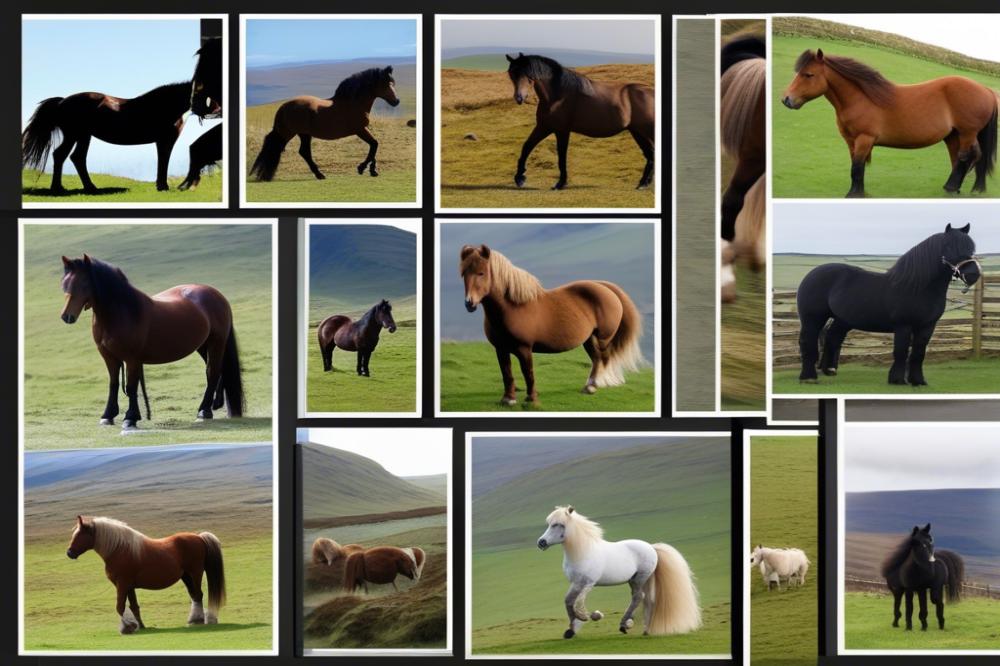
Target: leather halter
point(956, 271)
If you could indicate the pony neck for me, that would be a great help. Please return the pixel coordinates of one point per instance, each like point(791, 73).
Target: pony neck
point(369, 322)
point(840, 91)
point(542, 91)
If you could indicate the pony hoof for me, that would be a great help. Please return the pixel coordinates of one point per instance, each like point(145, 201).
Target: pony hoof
point(519, 180)
point(129, 425)
point(128, 628)
point(809, 380)
point(374, 173)
point(509, 402)
point(829, 371)
point(642, 186)
point(590, 388)
point(569, 633)
point(559, 186)
point(630, 623)
point(320, 176)
point(204, 415)
point(107, 422)
point(622, 628)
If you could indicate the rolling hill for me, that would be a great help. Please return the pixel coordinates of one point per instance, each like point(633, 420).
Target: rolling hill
point(491, 58)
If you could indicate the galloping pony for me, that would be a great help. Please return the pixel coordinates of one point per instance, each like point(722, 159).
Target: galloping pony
point(776, 564)
point(522, 318)
point(657, 574)
point(873, 111)
point(381, 565)
point(206, 102)
point(134, 561)
point(907, 301)
point(915, 566)
point(347, 113)
point(132, 329)
point(359, 336)
point(571, 102)
point(327, 551)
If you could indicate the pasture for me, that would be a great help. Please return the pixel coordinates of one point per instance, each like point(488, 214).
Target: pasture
point(116, 189)
point(783, 514)
point(65, 379)
point(972, 624)
point(479, 172)
point(294, 182)
point(810, 157)
point(470, 382)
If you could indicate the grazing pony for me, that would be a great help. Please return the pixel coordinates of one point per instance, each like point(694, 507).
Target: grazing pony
point(873, 111)
point(780, 563)
point(134, 561)
point(359, 336)
point(915, 566)
point(346, 113)
point(205, 151)
point(907, 301)
point(206, 102)
point(381, 565)
point(327, 551)
point(570, 102)
point(657, 574)
point(131, 329)
point(522, 317)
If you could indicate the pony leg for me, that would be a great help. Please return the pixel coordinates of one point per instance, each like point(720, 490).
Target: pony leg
point(921, 338)
point(132, 415)
point(133, 603)
point(809, 348)
point(861, 151)
point(367, 357)
point(746, 174)
point(358, 364)
point(128, 623)
point(562, 146)
point(164, 146)
point(646, 146)
point(596, 359)
point(637, 597)
point(509, 389)
point(197, 614)
point(327, 353)
point(575, 590)
point(366, 136)
point(897, 598)
point(305, 150)
point(524, 357)
point(831, 347)
point(922, 597)
point(79, 159)
point(533, 139)
point(213, 377)
point(59, 156)
point(111, 409)
point(938, 601)
point(909, 610)
point(900, 352)
point(968, 154)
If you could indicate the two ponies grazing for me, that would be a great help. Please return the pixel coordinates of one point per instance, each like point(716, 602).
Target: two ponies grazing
point(134, 561)
point(873, 111)
point(523, 318)
point(347, 113)
point(571, 102)
point(916, 567)
point(381, 565)
point(741, 130)
point(777, 564)
point(359, 336)
point(327, 551)
point(154, 117)
point(132, 329)
point(657, 574)
point(907, 301)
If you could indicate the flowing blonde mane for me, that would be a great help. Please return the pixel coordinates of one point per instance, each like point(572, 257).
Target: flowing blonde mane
point(582, 533)
point(517, 284)
point(111, 535)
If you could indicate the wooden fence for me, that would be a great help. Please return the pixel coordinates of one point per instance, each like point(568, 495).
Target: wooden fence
point(855, 584)
point(970, 328)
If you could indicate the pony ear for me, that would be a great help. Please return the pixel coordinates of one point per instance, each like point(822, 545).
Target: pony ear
point(819, 55)
point(388, 70)
point(67, 262)
point(966, 228)
point(520, 54)
point(79, 520)
point(86, 259)
point(466, 251)
point(509, 59)
point(484, 251)
point(569, 509)
point(947, 228)
point(927, 528)
point(916, 529)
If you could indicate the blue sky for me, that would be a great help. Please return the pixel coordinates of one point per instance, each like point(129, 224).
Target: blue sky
point(62, 57)
point(284, 41)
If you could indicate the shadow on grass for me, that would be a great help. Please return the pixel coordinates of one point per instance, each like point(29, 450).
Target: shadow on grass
point(206, 628)
point(47, 192)
point(511, 187)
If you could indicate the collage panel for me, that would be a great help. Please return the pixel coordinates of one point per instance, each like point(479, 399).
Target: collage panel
point(598, 544)
point(376, 540)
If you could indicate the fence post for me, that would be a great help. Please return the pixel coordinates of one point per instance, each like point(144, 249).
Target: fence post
point(977, 318)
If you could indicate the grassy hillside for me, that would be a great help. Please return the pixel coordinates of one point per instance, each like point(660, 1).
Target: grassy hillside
point(338, 160)
point(810, 157)
point(266, 85)
point(969, 625)
point(65, 379)
point(480, 173)
point(783, 514)
point(676, 492)
point(116, 189)
point(360, 264)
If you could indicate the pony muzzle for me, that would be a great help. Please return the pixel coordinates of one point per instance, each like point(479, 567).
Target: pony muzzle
point(519, 98)
point(392, 329)
point(69, 317)
point(470, 305)
point(543, 544)
point(790, 103)
point(71, 555)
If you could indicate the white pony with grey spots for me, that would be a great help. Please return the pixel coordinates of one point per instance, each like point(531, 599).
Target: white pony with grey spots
point(657, 574)
point(778, 564)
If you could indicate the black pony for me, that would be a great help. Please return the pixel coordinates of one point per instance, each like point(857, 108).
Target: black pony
point(907, 300)
point(914, 566)
point(206, 102)
point(360, 336)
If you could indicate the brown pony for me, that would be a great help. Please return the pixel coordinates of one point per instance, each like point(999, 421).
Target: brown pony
point(570, 102)
point(134, 561)
point(873, 111)
point(522, 317)
point(327, 551)
point(132, 329)
point(381, 565)
point(359, 336)
point(346, 113)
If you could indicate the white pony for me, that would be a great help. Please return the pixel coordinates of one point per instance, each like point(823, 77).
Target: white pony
point(657, 573)
point(777, 564)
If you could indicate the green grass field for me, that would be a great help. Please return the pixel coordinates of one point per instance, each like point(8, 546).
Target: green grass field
point(603, 173)
point(955, 376)
point(783, 514)
point(65, 379)
point(471, 382)
point(972, 624)
point(338, 160)
point(743, 353)
point(115, 189)
point(810, 157)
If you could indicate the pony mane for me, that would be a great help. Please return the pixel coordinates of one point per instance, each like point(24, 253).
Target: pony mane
point(366, 317)
point(741, 89)
point(180, 89)
point(920, 263)
point(562, 78)
point(359, 83)
point(744, 45)
point(895, 559)
point(876, 87)
point(109, 287)
point(581, 532)
point(518, 285)
point(112, 535)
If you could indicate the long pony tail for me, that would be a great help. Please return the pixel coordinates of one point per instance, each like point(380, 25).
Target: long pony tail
point(215, 572)
point(956, 573)
point(676, 607)
point(741, 92)
point(36, 140)
point(232, 377)
point(270, 155)
point(987, 138)
point(624, 353)
point(748, 243)
point(145, 398)
point(354, 569)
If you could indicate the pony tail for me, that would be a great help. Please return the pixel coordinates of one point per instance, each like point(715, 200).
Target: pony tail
point(624, 354)
point(36, 140)
point(232, 377)
point(215, 572)
point(270, 155)
point(748, 243)
point(354, 570)
point(675, 603)
point(956, 573)
point(987, 138)
point(741, 93)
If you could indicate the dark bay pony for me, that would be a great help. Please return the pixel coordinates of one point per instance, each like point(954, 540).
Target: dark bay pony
point(915, 566)
point(907, 301)
point(327, 551)
point(347, 113)
point(359, 336)
point(571, 102)
point(873, 111)
point(134, 561)
point(131, 329)
point(206, 102)
point(381, 565)
point(522, 317)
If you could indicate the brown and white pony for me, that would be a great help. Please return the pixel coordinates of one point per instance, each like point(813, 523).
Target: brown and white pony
point(327, 551)
point(381, 565)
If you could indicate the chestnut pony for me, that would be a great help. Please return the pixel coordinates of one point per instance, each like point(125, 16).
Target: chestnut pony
point(134, 561)
point(132, 329)
point(381, 565)
point(327, 551)
point(344, 114)
point(522, 317)
point(873, 111)
point(359, 336)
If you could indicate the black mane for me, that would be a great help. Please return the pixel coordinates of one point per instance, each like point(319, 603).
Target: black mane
point(109, 288)
point(563, 79)
point(169, 93)
point(922, 262)
point(361, 83)
point(366, 317)
point(745, 47)
point(895, 559)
